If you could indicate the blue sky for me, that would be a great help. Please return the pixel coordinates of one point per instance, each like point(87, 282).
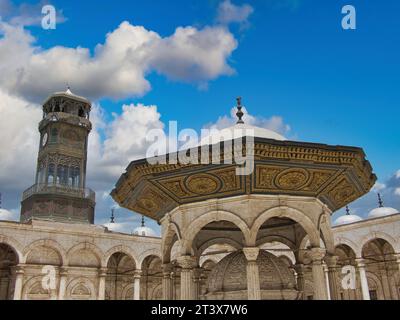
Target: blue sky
point(292, 60)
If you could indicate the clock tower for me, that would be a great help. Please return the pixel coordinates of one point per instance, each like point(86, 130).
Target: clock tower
point(60, 193)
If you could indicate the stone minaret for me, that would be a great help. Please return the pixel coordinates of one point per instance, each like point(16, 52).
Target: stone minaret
point(60, 192)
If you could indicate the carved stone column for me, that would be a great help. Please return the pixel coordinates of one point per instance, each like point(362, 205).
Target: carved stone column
point(63, 283)
point(19, 281)
point(334, 291)
point(253, 275)
point(167, 281)
point(316, 255)
point(328, 294)
point(102, 283)
point(196, 283)
point(397, 257)
point(300, 268)
point(385, 281)
point(136, 284)
point(187, 263)
point(363, 278)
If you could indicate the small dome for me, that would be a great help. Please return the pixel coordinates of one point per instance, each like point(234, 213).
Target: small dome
point(382, 212)
point(237, 131)
point(144, 232)
point(229, 276)
point(346, 219)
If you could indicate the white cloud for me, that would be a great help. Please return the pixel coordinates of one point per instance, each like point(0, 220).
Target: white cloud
point(113, 145)
point(6, 215)
point(26, 14)
point(275, 123)
point(229, 12)
point(397, 192)
point(378, 187)
point(118, 68)
point(19, 141)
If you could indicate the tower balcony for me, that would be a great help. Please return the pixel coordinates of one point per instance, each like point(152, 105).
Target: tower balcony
point(57, 189)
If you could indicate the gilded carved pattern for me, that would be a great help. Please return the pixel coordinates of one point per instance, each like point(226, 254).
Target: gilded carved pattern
point(202, 184)
point(335, 175)
point(292, 179)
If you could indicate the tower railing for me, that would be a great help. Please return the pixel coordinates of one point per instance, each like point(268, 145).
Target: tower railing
point(84, 193)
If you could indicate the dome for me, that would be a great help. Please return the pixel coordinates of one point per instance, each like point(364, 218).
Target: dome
point(228, 279)
point(382, 212)
point(346, 219)
point(144, 232)
point(237, 131)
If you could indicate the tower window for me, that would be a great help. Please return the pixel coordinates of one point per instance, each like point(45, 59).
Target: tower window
point(62, 175)
point(51, 174)
point(74, 177)
point(81, 113)
point(54, 135)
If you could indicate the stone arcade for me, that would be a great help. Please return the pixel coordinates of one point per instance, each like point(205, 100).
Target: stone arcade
point(267, 235)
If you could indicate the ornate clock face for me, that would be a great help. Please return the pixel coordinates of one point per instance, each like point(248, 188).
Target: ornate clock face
point(44, 139)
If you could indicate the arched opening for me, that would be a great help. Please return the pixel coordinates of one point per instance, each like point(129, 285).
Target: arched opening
point(151, 280)
point(81, 112)
point(378, 255)
point(209, 258)
point(8, 260)
point(120, 277)
point(289, 240)
point(346, 265)
point(42, 257)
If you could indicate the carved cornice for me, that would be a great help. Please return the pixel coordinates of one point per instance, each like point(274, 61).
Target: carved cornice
point(335, 175)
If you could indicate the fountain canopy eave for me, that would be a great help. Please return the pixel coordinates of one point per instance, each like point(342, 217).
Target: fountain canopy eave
point(336, 175)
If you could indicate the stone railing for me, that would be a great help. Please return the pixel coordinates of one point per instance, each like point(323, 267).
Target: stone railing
point(84, 193)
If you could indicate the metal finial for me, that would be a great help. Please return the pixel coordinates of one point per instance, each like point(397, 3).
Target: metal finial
point(347, 211)
point(143, 222)
point(112, 216)
point(239, 113)
point(380, 201)
point(68, 89)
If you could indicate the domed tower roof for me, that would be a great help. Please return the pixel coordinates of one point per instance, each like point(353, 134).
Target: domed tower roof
point(348, 218)
point(68, 94)
point(239, 130)
point(229, 275)
point(144, 231)
point(381, 211)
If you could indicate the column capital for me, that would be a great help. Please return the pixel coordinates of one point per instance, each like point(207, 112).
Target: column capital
point(360, 262)
point(167, 269)
point(18, 269)
point(299, 268)
point(186, 262)
point(197, 273)
point(251, 253)
point(103, 272)
point(137, 274)
point(331, 261)
point(397, 257)
point(64, 272)
point(317, 254)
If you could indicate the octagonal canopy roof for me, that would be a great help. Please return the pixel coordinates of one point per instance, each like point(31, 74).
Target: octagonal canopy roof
point(240, 130)
point(336, 175)
point(68, 94)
